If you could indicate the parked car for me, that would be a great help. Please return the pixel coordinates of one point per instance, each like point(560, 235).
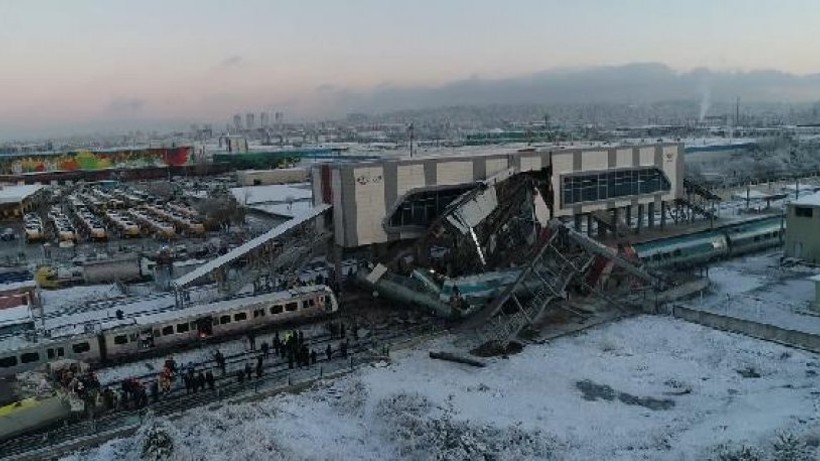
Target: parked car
point(8, 234)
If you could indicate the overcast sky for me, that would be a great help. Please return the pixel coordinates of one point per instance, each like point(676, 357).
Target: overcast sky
point(78, 61)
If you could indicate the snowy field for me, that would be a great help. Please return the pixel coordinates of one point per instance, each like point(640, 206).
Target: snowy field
point(757, 288)
point(644, 388)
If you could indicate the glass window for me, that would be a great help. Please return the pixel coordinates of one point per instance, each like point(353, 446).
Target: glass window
point(291, 307)
point(182, 327)
point(224, 319)
point(595, 187)
point(79, 348)
point(240, 317)
point(29, 357)
point(120, 339)
point(277, 309)
point(60, 352)
point(167, 330)
point(50, 353)
point(7, 362)
point(803, 211)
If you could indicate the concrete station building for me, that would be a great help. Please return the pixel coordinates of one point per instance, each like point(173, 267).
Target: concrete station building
point(392, 199)
point(802, 240)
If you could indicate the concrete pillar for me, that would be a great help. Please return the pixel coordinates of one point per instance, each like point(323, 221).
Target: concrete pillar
point(615, 222)
point(589, 224)
point(640, 218)
point(663, 215)
point(577, 222)
point(650, 214)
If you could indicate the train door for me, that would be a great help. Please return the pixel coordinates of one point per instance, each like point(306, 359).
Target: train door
point(205, 327)
point(146, 339)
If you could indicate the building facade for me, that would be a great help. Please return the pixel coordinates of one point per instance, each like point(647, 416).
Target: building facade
point(394, 199)
point(802, 239)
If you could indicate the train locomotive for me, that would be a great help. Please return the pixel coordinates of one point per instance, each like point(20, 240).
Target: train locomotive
point(715, 244)
point(119, 339)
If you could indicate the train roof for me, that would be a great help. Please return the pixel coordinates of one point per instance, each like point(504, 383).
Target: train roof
point(213, 308)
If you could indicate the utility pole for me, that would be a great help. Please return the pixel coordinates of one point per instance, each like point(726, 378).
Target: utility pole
point(410, 130)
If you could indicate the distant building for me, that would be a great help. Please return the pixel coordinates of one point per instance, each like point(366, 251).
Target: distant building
point(237, 122)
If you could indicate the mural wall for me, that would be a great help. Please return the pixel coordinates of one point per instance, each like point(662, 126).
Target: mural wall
point(86, 160)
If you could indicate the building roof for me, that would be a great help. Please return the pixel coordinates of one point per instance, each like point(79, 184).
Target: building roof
point(17, 193)
point(277, 193)
point(808, 200)
point(15, 316)
point(250, 245)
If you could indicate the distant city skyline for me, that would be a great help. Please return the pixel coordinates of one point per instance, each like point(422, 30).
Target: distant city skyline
point(89, 63)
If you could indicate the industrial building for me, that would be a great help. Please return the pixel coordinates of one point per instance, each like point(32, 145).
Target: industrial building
point(393, 199)
point(802, 225)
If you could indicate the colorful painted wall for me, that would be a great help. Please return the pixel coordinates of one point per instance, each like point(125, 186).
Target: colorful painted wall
point(86, 160)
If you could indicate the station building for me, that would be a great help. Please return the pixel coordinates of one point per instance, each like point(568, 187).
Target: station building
point(397, 198)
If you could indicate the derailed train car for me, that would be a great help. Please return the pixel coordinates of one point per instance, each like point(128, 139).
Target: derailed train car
point(712, 245)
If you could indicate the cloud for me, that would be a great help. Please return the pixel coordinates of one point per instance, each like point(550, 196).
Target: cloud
point(126, 105)
point(231, 61)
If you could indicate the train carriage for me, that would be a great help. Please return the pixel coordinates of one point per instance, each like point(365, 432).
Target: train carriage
point(121, 338)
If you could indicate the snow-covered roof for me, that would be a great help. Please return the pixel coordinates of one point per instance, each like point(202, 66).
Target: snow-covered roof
point(17, 286)
point(808, 200)
point(287, 210)
point(241, 250)
point(15, 316)
point(277, 193)
point(17, 193)
point(758, 195)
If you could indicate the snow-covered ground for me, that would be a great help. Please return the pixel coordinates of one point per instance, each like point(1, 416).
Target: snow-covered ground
point(757, 288)
point(643, 388)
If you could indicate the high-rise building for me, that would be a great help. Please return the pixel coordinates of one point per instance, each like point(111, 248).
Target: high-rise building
point(264, 119)
point(249, 121)
point(237, 122)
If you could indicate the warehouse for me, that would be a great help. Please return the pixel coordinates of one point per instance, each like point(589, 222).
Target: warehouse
point(398, 198)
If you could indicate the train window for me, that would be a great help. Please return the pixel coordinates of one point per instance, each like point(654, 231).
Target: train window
point(182, 327)
point(60, 352)
point(277, 309)
point(132, 337)
point(121, 339)
point(803, 212)
point(224, 319)
point(50, 353)
point(29, 357)
point(305, 304)
point(79, 348)
point(167, 330)
point(193, 325)
point(240, 317)
point(312, 302)
point(291, 307)
point(7, 362)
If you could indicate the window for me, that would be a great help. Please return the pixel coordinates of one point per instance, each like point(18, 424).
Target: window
point(79, 348)
point(258, 313)
point(291, 307)
point(240, 317)
point(132, 337)
point(167, 330)
point(593, 187)
point(803, 211)
point(182, 327)
point(60, 352)
point(50, 353)
point(224, 319)
point(423, 207)
point(29, 357)
point(7, 362)
point(305, 304)
point(277, 309)
point(312, 302)
point(120, 339)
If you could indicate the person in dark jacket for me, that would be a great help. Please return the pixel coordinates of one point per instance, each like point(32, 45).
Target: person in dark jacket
point(209, 379)
point(313, 356)
point(200, 381)
point(259, 367)
point(265, 349)
point(248, 370)
point(329, 351)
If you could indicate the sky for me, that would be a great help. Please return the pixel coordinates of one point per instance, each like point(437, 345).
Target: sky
point(85, 62)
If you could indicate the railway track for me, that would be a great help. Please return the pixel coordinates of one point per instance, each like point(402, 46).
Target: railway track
point(73, 435)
